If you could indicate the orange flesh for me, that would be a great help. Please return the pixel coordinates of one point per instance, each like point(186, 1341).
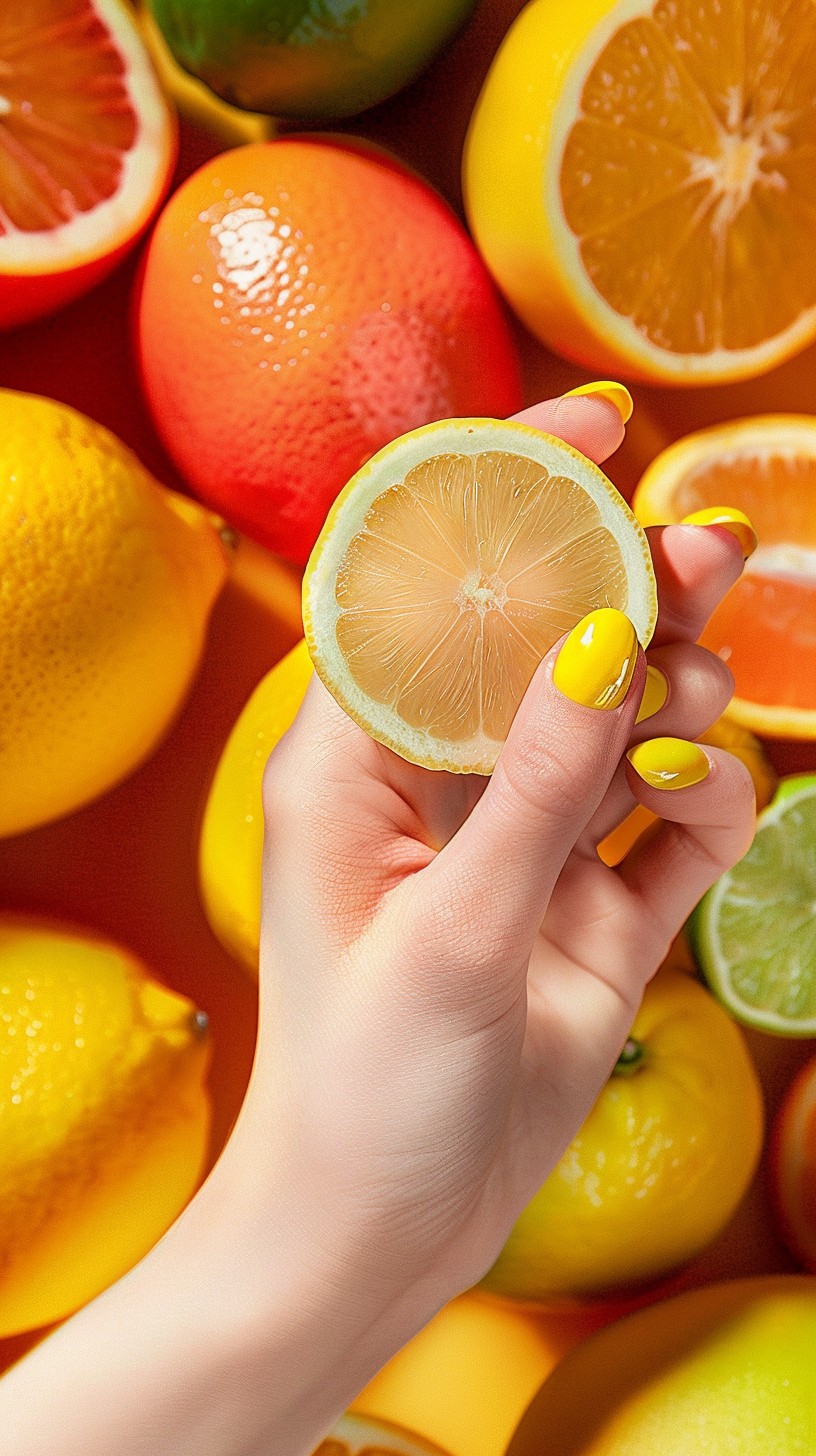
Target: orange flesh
point(689, 178)
point(333, 1447)
point(461, 579)
point(765, 626)
point(65, 113)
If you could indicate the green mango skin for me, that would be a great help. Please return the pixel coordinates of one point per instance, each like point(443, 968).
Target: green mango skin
point(727, 1370)
point(311, 59)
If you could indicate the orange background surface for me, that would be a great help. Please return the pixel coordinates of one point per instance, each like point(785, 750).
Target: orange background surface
point(126, 865)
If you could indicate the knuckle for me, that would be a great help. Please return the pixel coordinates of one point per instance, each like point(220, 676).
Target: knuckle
point(545, 778)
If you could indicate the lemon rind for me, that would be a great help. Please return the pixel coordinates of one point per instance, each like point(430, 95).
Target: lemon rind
point(321, 611)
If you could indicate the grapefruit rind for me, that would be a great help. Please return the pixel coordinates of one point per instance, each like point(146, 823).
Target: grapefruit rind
point(389, 467)
point(146, 168)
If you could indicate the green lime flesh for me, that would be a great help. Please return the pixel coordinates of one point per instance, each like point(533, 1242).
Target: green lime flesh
point(754, 933)
point(307, 58)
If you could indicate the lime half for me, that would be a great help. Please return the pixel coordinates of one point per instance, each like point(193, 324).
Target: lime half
point(754, 933)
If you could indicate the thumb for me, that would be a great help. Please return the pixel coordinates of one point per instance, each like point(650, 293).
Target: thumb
point(564, 746)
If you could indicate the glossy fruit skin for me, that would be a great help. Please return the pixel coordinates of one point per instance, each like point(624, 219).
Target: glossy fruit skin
point(658, 1167)
point(285, 58)
point(232, 831)
point(110, 581)
point(792, 1164)
point(725, 1368)
point(338, 307)
point(104, 1117)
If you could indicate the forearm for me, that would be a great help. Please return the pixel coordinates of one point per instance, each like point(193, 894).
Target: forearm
point(210, 1347)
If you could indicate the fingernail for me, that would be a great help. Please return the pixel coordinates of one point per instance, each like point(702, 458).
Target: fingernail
point(617, 394)
point(732, 520)
point(597, 660)
point(655, 693)
point(669, 763)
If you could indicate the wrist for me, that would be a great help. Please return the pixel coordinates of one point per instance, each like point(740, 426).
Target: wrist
point(290, 1301)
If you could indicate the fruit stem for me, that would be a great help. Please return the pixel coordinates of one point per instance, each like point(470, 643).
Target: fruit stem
point(629, 1059)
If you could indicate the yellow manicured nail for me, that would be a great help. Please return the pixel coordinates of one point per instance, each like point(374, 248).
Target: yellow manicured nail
point(597, 660)
point(669, 763)
point(655, 693)
point(733, 520)
point(617, 394)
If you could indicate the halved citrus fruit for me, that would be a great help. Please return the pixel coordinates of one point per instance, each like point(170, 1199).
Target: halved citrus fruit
point(754, 933)
point(359, 1436)
point(657, 187)
point(87, 146)
point(766, 466)
point(446, 570)
point(793, 1167)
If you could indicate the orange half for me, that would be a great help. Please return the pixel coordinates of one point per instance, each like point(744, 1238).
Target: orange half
point(447, 569)
point(87, 146)
point(765, 627)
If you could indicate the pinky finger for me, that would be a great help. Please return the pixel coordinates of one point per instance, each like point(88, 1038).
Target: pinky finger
point(707, 828)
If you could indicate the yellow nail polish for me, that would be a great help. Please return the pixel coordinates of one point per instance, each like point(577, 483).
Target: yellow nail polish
point(617, 394)
point(732, 520)
point(597, 660)
point(669, 763)
point(655, 693)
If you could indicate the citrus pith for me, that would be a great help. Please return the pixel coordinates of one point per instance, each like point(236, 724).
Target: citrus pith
point(448, 567)
point(87, 147)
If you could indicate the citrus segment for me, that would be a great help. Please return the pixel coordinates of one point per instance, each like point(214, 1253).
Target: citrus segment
point(86, 147)
point(447, 569)
point(668, 152)
point(766, 467)
point(754, 933)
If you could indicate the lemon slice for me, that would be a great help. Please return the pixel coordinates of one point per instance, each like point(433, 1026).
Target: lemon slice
point(448, 567)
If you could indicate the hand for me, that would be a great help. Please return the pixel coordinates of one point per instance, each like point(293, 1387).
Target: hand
point(449, 972)
point(448, 975)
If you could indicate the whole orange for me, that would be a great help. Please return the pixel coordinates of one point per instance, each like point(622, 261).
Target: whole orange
point(793, 1167)
point(304, 301)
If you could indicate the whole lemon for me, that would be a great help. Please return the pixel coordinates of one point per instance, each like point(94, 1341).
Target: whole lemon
point(231, 844)
point(106, 582)
point(658, 1167)
point(104, 1118)
point(724, 1369)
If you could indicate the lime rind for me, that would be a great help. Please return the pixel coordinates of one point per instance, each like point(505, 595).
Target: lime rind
point(754, 933)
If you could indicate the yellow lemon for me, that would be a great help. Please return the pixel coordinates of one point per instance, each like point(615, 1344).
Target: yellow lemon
point(231, 844)
point(107, 581)
point(660, 1164)
point(104, 1118)
point(725, 733)
point(635, 177)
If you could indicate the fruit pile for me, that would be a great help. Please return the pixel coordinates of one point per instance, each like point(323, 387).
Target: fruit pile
point(210, 322)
